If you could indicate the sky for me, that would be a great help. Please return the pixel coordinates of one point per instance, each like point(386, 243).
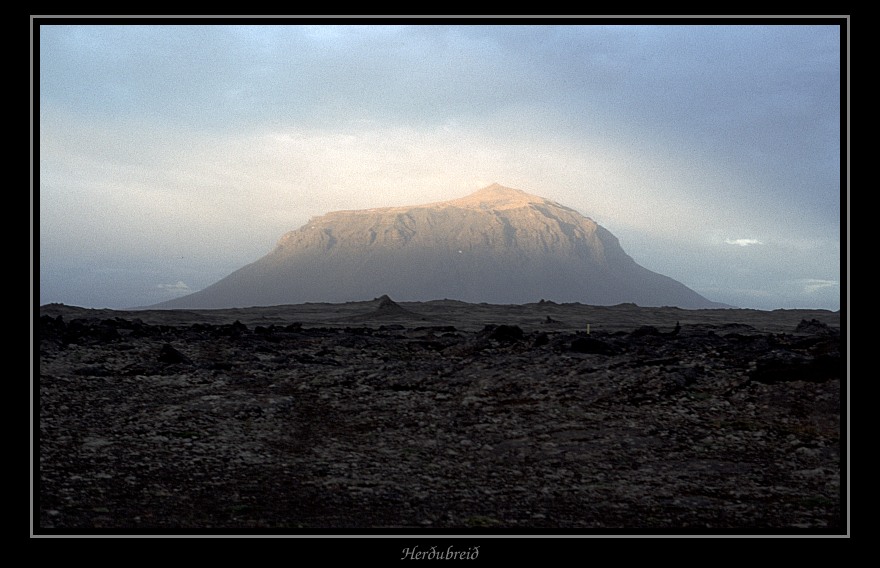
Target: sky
point(170, 155)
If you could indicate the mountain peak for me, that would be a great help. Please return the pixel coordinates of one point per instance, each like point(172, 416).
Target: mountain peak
point(496, 245)
point(497, 187)
point(496, 196)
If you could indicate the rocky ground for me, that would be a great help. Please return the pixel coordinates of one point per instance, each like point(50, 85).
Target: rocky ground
point(376, 417)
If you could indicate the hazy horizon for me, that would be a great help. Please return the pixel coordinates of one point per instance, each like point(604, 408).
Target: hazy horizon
point(171, 156)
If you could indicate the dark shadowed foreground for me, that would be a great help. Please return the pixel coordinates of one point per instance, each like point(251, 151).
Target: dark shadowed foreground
point(440, 415)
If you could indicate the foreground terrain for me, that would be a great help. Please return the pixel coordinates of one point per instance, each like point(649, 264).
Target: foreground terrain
point(378, 416)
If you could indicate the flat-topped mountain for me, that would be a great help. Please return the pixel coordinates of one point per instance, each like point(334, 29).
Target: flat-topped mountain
point(498, 245)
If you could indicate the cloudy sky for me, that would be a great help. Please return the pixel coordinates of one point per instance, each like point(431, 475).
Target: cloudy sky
point(172, 155)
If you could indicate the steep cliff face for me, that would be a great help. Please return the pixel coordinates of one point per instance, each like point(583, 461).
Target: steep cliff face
point(498, 245)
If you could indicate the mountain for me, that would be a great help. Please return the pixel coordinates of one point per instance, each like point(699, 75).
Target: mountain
point(498, 245)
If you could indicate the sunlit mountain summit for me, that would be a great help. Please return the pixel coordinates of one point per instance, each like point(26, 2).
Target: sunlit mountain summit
point(498, 245)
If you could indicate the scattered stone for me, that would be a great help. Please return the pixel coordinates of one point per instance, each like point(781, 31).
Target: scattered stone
point(169, 354)
point(789, 367)
point(505, 333)
point(592, 345)
point(356, 426)
point(815, 327)
point(541, 339)
point(644, 331)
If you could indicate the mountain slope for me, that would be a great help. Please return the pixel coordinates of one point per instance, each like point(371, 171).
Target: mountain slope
point(498, 245)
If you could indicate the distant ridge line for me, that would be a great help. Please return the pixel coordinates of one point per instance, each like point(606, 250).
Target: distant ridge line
point(498, 245)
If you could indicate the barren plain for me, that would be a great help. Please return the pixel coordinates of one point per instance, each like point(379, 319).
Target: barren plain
point(440, 417)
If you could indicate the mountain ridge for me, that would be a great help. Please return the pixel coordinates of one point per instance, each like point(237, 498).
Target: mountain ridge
point(496, 245)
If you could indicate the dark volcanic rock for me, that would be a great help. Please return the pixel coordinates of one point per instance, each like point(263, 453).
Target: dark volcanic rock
point(386, 308)
point(590, 345)
point(379, 427)
point(169, 354)
point(646, 331)
point(815, 327)
point(540, 339)
point(505, 333)
point(797, 368)
point(386, 304)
